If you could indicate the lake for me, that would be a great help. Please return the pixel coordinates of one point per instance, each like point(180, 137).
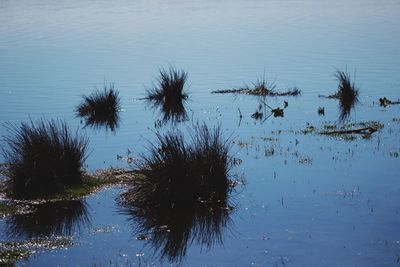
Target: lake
point(308, 199)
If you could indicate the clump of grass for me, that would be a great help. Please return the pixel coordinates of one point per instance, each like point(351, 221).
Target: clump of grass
point(43, 157)
point(170, 88)
point(347, 94)
point(183, 193)
point(178, 173)
point(169, 94)
point(101, 108)
point(321, 111)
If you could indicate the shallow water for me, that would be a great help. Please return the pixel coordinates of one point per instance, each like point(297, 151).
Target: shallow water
point(318, 201)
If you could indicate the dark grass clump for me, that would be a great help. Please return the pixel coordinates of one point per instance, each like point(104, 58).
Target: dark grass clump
point(347, 94)
point(101, 108)
point(43, 158)
point(183, 193)
point(169, 96)
point(177, 173)
point(321, 111)
point(49, 219)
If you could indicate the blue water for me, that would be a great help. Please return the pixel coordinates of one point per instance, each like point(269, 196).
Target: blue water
point(339, 209)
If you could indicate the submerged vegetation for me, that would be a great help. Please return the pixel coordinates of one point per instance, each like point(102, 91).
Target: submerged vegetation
point(13, 251)
point(260, 88)
point(169, 95)
point(43, 159)
point(101, 108)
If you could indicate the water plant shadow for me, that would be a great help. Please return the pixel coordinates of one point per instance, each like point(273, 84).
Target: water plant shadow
point(170, 231)
point(101, 109)
point(169, 95)
point(183, 193)
point(43, 158)
point(49, 218)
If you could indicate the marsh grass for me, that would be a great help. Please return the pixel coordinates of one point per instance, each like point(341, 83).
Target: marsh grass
point(101, 108)
point(177, 173)
point(43, 158)
point(321, 111)
point(182, 195)
point(169, 95)
point(347, 94)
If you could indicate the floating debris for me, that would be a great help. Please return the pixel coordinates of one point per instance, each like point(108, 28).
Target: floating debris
point(386, 102)
point(260, 88)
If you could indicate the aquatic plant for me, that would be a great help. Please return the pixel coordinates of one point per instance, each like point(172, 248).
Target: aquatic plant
point(178, 173)
point(170, 88)
point(182, 193)
point(101, 108)
point(347, 94)
point(43, 158)
point(168, 95)
point(321, 111)
point(49, 218)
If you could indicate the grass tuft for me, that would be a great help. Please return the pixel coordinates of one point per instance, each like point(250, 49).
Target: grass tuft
point(43, 157)
point(347, 94)
point(101, 108)
point(169, 95)
point(177, 173)
point(183, 194)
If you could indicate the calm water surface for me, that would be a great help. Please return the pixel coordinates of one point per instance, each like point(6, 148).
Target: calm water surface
point(317, 201)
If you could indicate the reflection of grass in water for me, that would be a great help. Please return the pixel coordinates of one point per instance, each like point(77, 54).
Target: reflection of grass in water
point(174, 112)
point(170, 231)
point(49, 218)
point(169, 96)
point(101, 108)
point(43, 158)
point(183, 194)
